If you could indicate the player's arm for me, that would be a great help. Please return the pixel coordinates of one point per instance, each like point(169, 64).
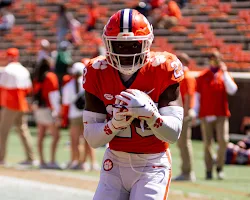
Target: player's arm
point(166, 123)
point(97, 132)
point(170, 114)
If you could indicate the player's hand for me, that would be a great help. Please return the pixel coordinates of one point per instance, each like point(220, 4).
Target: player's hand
point(120, 121)
point(138, 104)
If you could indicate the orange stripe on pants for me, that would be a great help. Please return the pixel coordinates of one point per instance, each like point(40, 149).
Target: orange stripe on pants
point(170, 175)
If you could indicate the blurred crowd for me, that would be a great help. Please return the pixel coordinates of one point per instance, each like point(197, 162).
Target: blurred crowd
point(54, 107)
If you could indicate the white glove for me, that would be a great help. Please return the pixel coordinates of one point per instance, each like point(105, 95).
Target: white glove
point(119, 121)
point(139, 104)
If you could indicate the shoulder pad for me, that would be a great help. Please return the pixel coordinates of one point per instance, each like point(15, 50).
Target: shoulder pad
point(98, 63)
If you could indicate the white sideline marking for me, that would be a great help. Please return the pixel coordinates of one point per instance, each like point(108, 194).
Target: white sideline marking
point(20, 189)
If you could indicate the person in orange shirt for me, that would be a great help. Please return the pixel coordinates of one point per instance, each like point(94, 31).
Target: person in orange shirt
point(92, 17)
point(15, 84)
point(168, 15)
point(46, 107)
point(211, 105)
point(187, 88)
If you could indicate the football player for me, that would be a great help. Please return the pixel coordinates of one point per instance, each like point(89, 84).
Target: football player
point(137, 163)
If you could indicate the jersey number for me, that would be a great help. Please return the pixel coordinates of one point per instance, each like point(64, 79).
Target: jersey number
point(178, 69)
point(127, 133)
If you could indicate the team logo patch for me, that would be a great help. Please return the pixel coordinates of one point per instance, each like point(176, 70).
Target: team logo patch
point(107, 165)
point(108, 96)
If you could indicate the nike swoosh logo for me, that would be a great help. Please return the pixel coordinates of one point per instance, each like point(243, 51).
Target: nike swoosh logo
point(150, 91)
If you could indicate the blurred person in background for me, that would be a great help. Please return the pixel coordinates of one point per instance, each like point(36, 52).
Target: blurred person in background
point(63, 61)
point(182, 3)
point(187, 88)
point(15, 84)
point(72, 108)
point(144, 8)
point(91, 16)
point(44, 52)
point(156, 3)
point(4, 3)
point(211, 105)
point(7, 20)
point(239, 153)
point(63, 23)
point(75, 27)
point(46, 108)
point(167, 16)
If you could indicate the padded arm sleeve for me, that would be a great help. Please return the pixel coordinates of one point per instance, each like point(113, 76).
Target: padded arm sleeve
point(97, 132)
point(230, 85)
point(167, 124)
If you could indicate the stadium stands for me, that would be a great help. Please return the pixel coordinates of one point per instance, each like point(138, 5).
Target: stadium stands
point(205, 25)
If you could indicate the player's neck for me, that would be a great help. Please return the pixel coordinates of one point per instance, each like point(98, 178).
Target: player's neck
point(125, 77)
point(127, 80)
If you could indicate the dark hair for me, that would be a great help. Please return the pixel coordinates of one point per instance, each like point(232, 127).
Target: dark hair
point(62, 9)
point(42, 68)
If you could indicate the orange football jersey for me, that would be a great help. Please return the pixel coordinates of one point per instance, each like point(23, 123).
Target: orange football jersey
point(213, 100)
point(103, 81)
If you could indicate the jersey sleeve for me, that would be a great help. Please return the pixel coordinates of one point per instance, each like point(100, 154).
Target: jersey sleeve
point(171, 70)
point(90, 80)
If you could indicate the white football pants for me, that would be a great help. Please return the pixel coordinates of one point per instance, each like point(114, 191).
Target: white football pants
point(128, 176)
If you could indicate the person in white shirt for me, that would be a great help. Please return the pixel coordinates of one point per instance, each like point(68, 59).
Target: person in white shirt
point(7, 21)
point(44, 52)
point(72, 109)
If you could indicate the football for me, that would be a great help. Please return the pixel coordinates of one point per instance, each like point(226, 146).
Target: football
point(146, 97)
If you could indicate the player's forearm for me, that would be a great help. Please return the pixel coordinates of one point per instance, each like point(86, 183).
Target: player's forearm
point(99, 134)
point(167, 125)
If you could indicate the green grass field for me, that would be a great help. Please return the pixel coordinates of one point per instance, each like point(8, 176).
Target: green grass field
point(236, 186)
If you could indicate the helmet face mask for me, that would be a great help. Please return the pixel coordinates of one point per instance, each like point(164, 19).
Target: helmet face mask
point(130, 51)
point(128, 37)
